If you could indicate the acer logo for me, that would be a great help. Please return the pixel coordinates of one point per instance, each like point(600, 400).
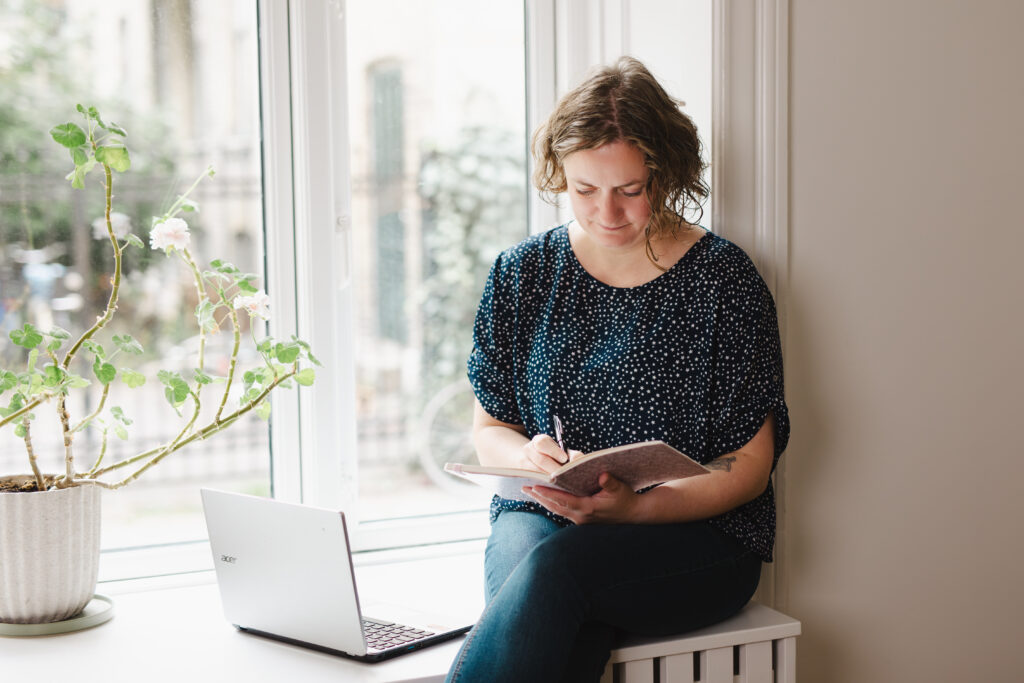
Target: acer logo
point(228, 558)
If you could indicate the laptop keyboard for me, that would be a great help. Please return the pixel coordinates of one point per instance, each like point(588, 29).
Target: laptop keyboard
point(380, 635)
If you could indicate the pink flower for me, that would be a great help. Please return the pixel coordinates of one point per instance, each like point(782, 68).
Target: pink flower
point(257, 305)
point(171, 234)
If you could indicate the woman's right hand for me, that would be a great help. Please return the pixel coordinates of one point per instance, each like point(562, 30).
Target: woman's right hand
point(542, 453)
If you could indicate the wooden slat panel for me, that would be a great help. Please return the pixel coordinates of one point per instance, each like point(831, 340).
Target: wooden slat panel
point(639, 671)
point(785, 660)
point(676, 668)
point(716, 665)
point(756, 662)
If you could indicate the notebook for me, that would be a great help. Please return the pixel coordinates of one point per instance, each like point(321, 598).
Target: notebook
point(285, 571)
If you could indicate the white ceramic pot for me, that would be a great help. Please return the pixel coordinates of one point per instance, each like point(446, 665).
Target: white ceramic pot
point(49, 553)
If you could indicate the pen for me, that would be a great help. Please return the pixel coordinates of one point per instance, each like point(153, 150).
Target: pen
point(558, 437)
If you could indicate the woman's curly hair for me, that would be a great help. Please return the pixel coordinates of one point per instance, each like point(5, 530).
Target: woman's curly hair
point(625, 102)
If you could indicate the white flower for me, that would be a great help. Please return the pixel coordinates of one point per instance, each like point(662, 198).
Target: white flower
point(171, 234)
point(257, 304)
point(121, 224)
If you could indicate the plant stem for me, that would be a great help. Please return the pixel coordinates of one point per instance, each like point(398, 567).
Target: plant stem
point(181, 198)
point(26, 423)
point(234, 362)
point(42, 398)
point(69, 458)
point(116, 285)
point(100, 322)
point(186, 256)
point(99, 409)
point(99, 458)
point(127, 461)
point(204, 433)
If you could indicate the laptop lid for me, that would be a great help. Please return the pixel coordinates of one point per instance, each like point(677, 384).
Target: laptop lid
point(285, 569)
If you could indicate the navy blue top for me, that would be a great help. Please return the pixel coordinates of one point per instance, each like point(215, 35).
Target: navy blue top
point(691, 358)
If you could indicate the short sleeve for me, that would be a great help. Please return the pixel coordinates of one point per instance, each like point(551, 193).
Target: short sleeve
point(748, 366)
point(491, 364)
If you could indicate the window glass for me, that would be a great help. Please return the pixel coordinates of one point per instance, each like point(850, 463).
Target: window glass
point(437, 132)
point(181, 78)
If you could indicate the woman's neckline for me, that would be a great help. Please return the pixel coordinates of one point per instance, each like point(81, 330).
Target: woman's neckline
point(675, 267)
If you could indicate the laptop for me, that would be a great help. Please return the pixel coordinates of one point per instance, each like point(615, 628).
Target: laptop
point(285, 572)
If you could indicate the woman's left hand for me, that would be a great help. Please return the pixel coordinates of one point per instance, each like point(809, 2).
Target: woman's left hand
point(614, 503)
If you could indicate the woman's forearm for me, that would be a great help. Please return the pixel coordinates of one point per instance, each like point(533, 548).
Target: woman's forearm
point(735, 479)
point(499, 445)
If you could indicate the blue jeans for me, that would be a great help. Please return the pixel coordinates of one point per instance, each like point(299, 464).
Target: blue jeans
point(557, 596)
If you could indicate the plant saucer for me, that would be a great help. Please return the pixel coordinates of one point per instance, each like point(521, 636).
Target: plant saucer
point(99, 610)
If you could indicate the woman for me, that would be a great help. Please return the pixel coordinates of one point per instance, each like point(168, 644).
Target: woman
point(628, 324)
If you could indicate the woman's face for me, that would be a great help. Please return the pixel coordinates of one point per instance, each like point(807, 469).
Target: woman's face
point(606, 189)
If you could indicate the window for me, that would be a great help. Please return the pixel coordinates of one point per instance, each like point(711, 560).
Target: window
point(437, 135)
point(393, 170)
point(181, 77)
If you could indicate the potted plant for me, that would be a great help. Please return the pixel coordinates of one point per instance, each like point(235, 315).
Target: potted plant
point(50, 521)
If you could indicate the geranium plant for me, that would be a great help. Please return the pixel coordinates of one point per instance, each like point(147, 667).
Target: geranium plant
point(223, 293)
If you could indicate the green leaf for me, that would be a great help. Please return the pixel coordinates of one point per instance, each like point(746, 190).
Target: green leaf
point(133, 239)
point(250, 396)
point(201, 377)
point(94, 348)
point(176, 390)
point(105, 372)
point(19, 430)
point(305, 377)
point(115, 129)
point(8, 380)
point(53, 345)
point(225, 267)
point(119, 415)
point(33, 355)
point(80, 155)
point(58, 333)
point(132, 378)
point(69, 135)
point(204, 315)
point(244, 285)
point(127, 344)
point(188, 206)
point(263, 410)
point(77, 381)
point(287, 353)
point(77, 176)
point(28, 336)
point(114, 156)
point(53, 375)
point(121, 432)
point(309, 352)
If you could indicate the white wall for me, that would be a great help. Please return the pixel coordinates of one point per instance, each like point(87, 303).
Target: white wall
point(905, 340)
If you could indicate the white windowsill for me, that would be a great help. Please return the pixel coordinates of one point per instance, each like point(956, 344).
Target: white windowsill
point(171, 628)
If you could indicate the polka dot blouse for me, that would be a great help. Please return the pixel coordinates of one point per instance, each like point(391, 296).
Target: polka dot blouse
point(691, 358)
